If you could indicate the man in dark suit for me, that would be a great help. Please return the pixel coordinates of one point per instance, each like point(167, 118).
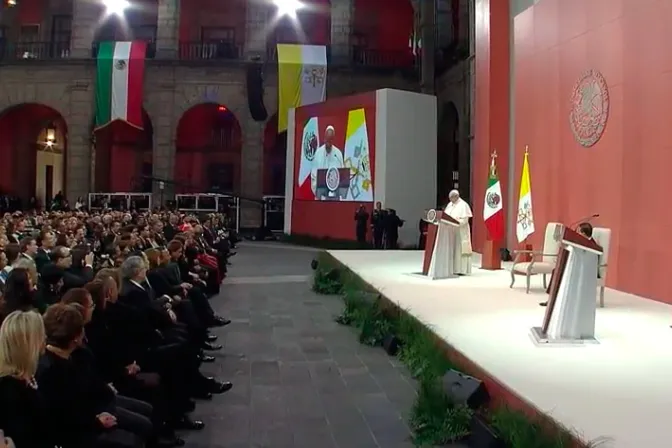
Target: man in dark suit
point(158, 314)
point(46, 241)
point(62, 258)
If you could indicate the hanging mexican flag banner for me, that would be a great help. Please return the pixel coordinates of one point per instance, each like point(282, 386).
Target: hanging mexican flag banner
point(119, 81)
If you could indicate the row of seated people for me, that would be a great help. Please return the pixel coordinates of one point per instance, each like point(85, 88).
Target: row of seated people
point(121, 364)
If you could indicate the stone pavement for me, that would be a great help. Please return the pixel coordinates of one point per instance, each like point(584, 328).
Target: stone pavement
point(300, 380)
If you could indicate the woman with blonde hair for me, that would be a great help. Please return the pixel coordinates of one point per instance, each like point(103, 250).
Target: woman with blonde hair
point(23, 415)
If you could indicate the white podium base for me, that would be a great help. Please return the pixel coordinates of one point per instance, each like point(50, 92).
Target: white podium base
point(541, 339)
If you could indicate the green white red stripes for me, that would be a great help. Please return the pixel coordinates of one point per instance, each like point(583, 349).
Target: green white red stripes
point(493, 212)
point(119, 82)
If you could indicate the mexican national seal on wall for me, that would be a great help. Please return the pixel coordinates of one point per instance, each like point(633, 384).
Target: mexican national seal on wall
point(589, 108)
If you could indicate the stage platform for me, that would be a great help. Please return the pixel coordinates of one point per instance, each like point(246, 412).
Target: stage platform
point(619, 390)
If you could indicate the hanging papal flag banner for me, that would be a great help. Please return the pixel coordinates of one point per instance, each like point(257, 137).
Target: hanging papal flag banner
point(119, 81)
point(302, 78)
point(357, 157)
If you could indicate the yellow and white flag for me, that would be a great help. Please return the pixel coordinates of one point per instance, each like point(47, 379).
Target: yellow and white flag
point(525, 218)
point(357, 157)
point(302, 78)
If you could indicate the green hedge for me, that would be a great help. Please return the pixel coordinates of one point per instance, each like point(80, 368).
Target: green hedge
point(435, 419)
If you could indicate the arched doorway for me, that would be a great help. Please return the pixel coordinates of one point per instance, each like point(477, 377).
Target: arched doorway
point(448, 154)
point(275, 158)
point(33, 152)
point(208, 150)
point(123, 157)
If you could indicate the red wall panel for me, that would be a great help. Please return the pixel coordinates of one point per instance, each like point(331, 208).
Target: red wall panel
point(623, 176)
point(331, 219)
point(491, 112)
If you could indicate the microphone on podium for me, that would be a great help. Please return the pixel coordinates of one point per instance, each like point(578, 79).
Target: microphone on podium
point(584, 219)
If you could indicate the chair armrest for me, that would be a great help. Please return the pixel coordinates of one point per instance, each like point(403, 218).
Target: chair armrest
point(526, 251)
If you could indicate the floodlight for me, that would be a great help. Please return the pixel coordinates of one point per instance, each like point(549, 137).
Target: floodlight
point(288, 7)
point(116, 7)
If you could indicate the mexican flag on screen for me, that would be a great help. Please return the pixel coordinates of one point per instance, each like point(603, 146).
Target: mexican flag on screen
point(119, 79)
point(493, 212)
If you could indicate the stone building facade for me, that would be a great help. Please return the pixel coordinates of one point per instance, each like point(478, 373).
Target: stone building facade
point(172, 86)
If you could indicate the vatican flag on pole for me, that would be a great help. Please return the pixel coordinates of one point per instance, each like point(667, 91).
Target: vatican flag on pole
point(525, 219)
point(357, 157)
point(302, 78)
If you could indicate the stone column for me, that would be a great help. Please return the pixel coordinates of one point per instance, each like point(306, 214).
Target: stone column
point(256, 20)
point(491, 112)
point(167, 29)
point(85, 17)
point(251, 171)
point(342, 16)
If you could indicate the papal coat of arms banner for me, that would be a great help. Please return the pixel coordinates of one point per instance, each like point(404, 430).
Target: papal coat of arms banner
point(302, 78)
point(119, 81)
point(357, 157)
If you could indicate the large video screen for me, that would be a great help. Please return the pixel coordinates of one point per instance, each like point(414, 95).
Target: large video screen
point(335, 158)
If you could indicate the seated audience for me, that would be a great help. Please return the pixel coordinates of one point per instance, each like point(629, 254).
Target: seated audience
point(23, 414)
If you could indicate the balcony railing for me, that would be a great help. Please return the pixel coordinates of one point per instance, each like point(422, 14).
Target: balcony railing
point(151, 50)
point(210, 51)
point(27, 51)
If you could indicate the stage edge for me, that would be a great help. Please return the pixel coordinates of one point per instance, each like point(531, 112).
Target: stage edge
point(500, 395)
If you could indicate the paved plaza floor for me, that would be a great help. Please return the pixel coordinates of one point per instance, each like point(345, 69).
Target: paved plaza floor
point(300, 380)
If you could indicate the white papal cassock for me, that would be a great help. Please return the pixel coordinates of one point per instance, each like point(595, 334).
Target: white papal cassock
point(461, 212)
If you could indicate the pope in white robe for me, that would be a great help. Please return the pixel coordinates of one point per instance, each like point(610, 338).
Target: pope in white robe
point(459, 210)
point(326, 156)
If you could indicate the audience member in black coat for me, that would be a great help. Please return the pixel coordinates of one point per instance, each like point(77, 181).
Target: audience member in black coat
point(378, 226)
point(361, 221)
point(75, 419)
point(141, 298)
point(23, 413)
point(72, 277)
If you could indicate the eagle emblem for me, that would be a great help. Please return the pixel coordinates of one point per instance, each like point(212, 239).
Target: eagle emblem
point(333, 179)
point(309, 146)
point(120, 65)
point(493, 200)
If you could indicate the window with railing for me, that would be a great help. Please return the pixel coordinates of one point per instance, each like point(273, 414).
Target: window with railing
point(215, 43)
point(146, 33)
point(61, 33)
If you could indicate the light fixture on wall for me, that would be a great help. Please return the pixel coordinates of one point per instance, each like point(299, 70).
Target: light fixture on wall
point(51, 135)
point(11, 3)
point(288, 7)
point(116, 7)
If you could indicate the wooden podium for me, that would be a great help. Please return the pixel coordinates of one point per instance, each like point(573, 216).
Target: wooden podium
point(570, 313)
point(438, 262)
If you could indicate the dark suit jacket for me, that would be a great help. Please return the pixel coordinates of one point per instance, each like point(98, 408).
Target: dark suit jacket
point(23, 414)
point(72, 418)
point(143, 300)
point(41, 259)
point(165, 280)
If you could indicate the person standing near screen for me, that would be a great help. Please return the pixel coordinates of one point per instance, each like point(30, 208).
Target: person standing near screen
point(326, 156)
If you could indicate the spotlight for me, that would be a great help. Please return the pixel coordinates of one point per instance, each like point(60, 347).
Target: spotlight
point(288, 7)
point(116, 7)
point(221, 108)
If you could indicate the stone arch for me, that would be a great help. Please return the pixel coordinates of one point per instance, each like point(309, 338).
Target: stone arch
point(448, 151)
point(208, 150)
point(33, 152)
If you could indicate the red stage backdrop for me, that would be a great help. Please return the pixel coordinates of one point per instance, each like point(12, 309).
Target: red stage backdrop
point(623, 177)
point(354, 124)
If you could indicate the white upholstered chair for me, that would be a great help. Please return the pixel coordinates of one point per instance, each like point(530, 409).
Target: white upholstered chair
point(602, 236)
point(541, 262)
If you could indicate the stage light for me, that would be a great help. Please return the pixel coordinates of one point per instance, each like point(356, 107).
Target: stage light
point(116, 7)
point(11, 2)
point(221, 109)
point(288, 7)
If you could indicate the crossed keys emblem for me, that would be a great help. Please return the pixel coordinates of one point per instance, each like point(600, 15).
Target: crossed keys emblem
point(314, 75)
point(525, 216)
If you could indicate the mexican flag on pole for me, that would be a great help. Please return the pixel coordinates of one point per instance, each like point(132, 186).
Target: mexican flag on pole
point(493, 213)
point(119, 79)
